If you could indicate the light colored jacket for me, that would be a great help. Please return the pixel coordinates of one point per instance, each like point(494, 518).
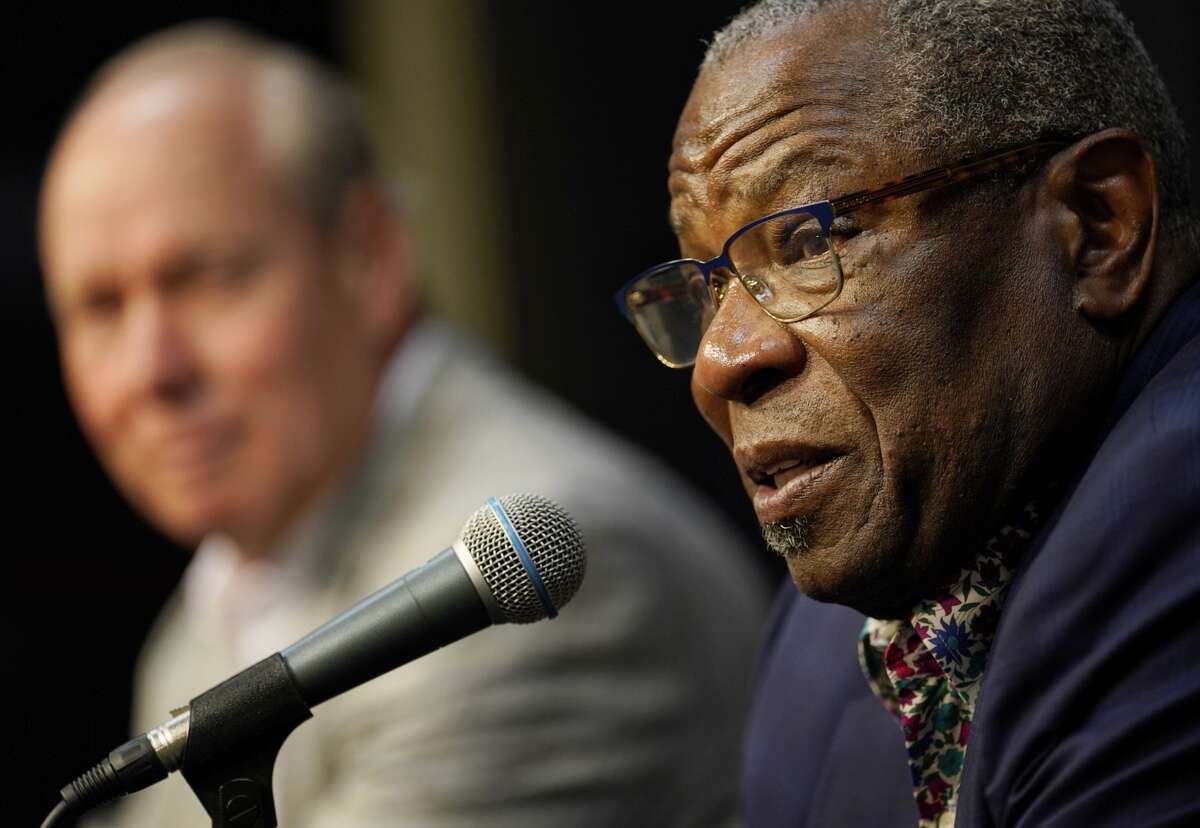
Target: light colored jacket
point(625, 710)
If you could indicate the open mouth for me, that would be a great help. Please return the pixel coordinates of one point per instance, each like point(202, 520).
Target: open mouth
point(790, 483)
point(778, 474)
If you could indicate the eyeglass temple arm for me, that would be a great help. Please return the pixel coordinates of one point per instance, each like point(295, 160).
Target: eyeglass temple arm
point(943, 176)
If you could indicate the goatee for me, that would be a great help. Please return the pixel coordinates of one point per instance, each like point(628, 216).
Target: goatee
point(788, 539)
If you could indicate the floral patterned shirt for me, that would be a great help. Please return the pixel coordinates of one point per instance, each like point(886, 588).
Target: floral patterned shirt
point(927, 669)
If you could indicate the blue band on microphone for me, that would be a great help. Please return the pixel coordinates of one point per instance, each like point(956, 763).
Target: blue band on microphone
point(538, 586)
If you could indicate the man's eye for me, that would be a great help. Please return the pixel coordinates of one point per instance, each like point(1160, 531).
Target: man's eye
point(234, 269)
point(101, 304)
point(224, 272)
point(791, 240)
point(228, 274)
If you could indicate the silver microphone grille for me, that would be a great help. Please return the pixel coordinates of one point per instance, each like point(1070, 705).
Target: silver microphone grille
point(551, 542)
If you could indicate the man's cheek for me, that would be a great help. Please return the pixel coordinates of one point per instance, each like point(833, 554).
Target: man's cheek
point(715, 412)
point(99, 413)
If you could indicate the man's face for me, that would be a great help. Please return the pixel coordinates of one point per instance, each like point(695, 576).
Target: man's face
point(207, 347)
point(895, 425)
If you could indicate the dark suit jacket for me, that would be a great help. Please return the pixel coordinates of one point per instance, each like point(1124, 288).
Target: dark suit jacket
point(1089, 714)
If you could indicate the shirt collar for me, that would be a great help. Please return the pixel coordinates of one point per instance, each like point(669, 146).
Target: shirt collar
point(1178, 326)
point(927, 669)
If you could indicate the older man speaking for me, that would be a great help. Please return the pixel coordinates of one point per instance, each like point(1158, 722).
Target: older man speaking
point(940, 303)
point(240, 337)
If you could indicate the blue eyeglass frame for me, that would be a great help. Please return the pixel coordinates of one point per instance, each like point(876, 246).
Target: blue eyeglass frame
point(822, 211)
point(825, 211)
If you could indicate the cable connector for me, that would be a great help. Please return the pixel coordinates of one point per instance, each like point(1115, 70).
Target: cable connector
point(131, 767)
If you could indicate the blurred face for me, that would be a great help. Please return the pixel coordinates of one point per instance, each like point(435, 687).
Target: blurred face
point(881, 438)
point(208, 344)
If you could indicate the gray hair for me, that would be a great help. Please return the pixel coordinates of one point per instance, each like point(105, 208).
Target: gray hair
point(788, 539)
point(309, 120)
point(976, 75)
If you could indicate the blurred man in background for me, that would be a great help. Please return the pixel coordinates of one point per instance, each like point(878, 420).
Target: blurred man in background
point(242, 341)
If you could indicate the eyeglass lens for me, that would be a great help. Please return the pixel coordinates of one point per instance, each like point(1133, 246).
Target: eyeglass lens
point(671, 308)
point(786, 264)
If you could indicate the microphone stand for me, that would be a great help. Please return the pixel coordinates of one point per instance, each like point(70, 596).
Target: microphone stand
point(232, 780)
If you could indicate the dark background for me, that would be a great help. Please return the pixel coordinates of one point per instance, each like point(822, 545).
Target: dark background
point(588, 97)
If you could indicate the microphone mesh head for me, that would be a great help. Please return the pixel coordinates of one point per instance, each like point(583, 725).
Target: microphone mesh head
point(554, 546)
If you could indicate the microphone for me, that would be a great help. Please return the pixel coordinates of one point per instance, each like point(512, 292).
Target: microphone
point(517, 560)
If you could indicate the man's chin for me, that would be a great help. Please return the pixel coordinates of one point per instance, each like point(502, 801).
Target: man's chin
point(864, 582)
point(189, 522)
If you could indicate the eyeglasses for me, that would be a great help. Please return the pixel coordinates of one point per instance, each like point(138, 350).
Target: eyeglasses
point(785, 261)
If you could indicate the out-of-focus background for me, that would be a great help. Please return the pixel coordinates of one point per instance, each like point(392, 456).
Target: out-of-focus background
point(531, 141)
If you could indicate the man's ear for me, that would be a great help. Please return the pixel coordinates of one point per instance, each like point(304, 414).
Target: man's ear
point(376, 266)
point(1105, 194)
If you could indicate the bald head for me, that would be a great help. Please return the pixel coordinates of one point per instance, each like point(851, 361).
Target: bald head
point(305, 121)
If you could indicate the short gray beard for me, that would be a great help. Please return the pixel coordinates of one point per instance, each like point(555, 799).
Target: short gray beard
point(788, 539)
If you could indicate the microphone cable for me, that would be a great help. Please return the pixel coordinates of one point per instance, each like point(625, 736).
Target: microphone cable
point(58, 817)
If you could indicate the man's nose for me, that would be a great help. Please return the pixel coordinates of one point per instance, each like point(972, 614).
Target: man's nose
point(160, 358)
point(745, 353)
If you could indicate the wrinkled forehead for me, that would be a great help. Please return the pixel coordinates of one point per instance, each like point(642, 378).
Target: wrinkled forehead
point(806, 102)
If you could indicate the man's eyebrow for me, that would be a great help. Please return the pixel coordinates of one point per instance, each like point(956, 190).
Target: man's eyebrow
point(810, 163)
